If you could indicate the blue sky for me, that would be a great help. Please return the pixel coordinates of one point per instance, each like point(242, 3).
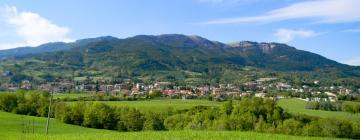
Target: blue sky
point(327, 27)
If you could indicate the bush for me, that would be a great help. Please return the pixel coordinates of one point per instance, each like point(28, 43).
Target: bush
point(291, 127)
point(312, 129)
point(8, 102)
point(177, 122)
point(77, 113)
point(134, 120)
point(100, 115)
point(355, 108)
point(261, 125)
point(153, 122)
point(34, 103)
point(155, 94)
point(228, 107)
point(63, 113)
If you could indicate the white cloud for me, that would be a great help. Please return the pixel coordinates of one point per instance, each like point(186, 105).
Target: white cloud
point(213, 1)
point(11, 45)
point(320, 11)
point(32, 28)
point(287, 35)
point(354, 61)
point(222, 1)
point(352, 30)
point(227, 2)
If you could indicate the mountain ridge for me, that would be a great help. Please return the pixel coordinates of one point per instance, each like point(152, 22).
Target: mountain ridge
point(61, 46)
point(171, 56)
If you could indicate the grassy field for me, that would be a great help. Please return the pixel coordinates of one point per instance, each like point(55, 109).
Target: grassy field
point(298, 106)
point(162, 105)
point(71, 96)
point(12, 128)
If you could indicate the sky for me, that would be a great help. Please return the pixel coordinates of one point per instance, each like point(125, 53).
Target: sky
point(330, 28)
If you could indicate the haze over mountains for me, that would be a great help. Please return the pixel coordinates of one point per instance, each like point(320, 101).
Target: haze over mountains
point(144, 55)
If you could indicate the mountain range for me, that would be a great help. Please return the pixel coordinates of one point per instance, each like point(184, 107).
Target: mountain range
point(167, 57)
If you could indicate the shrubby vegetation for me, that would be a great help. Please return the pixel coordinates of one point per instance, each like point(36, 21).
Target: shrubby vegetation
point(104, 97)
point(247, 114)
point(34, 103)
point(329, 106)
point(352, 108)
point(333, 106)
point(349, 98)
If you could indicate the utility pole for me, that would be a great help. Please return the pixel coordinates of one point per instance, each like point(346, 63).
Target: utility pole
point(33, 125)
point(49, 111)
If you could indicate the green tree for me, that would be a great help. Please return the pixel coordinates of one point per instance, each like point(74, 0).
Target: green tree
point(100, 115)
point(134, 120)
point(291, 127)
point(77, 113)
point(348, 108)
point(228, 107)
point(177, 122)
point(153, 122)
point(261, 125)
point(155, 94)
point(313, 129)
point(8, 102)
point(63, 112)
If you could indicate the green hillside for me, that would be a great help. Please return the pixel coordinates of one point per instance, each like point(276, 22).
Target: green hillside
point(180, 58)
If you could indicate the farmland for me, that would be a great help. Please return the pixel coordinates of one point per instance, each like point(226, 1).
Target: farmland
point(298, 106)
point(147, 118)
point(12, 128)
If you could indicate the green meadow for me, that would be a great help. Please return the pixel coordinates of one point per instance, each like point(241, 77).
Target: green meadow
point(72, 96)
point(297, 106)
point(20, 127)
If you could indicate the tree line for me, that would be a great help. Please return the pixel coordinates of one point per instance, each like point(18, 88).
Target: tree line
point(334, 106)
point(328, 106)
point(352, 108)
point(246, 114)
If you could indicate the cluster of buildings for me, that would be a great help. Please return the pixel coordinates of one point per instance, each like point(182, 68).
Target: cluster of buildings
point(262, 87)
point(308, 93)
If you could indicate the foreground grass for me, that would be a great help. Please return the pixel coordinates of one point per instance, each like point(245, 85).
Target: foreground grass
point(173, 135)
point(14, 127)
point(298, 106)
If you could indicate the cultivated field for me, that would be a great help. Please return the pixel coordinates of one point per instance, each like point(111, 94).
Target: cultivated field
point(14, 127)
point(298, 106)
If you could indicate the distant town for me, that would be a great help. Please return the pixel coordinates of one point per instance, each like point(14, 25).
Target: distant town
point(262, 87)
